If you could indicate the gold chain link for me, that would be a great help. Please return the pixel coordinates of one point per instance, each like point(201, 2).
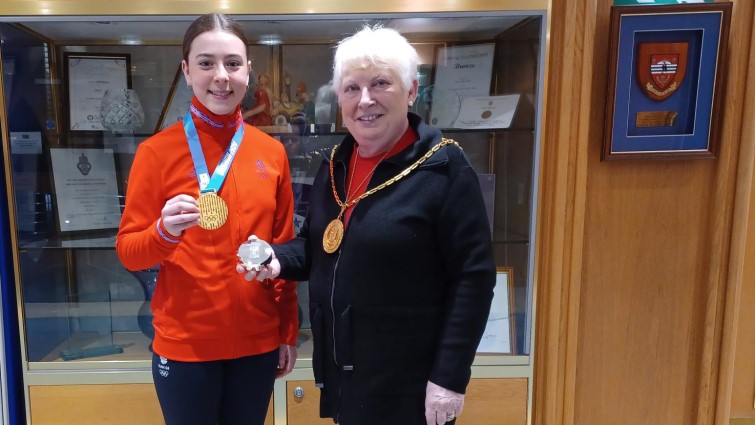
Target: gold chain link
point(389, 182)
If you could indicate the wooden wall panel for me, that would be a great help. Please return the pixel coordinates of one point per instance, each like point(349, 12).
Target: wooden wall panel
point(495, 401)
point(743, 382)
point(118, 404)
point(639, 263)
point(112, 404)
point(561, 215)
point(644, 292)
point(304, 410)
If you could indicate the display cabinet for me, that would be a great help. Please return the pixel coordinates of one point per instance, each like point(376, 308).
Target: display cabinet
point(85, 320)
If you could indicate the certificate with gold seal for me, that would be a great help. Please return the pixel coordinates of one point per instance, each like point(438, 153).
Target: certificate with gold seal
point(487, 111)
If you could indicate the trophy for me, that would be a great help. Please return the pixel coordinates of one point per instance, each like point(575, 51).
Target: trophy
point(121, 110)
point(255, 254)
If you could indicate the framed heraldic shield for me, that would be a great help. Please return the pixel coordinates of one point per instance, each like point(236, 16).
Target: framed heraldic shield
point(666, 68)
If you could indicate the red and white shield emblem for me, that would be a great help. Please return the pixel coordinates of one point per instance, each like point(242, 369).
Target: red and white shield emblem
point(661, 68)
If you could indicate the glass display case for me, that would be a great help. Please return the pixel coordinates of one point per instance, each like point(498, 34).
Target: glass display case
point(68, 155)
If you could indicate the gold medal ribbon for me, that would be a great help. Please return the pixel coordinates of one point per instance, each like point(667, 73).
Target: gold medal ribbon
point(213, 211)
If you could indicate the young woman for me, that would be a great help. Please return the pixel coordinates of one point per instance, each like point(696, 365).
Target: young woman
point(196, 191)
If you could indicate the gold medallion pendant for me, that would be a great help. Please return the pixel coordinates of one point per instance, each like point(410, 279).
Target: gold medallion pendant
point(333, 235)
point(213, 212)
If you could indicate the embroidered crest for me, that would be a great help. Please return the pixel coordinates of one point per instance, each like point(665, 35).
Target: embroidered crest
point(661, 68)
point(261, 171)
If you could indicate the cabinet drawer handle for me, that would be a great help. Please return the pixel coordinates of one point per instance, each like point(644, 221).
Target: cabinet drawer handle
point(298, 392)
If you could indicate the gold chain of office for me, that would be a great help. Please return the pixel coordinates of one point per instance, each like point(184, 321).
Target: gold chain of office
point(333, 235)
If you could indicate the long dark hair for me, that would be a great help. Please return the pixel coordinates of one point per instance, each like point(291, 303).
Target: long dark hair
point(211, 22)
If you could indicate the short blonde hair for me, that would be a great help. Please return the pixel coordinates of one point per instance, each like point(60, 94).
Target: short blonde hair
point(376, 46)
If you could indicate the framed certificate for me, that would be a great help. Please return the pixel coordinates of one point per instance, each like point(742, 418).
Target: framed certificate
point(665, 81)
point(86, 191)
point(89, 76)
point(460, 72)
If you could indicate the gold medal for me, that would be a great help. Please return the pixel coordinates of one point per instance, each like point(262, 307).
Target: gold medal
point(333, 235)
point(213, 212)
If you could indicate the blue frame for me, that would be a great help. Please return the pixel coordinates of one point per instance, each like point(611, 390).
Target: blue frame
point(695, 103)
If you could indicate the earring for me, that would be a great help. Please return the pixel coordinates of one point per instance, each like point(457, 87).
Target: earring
point(411, 103)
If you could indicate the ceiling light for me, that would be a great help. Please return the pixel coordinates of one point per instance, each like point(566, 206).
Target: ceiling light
point(270, 39)
point(131, 40)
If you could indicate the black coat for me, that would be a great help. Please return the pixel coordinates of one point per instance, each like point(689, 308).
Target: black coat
point(406, 297)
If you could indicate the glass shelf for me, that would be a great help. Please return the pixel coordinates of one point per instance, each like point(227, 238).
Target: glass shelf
point(102, 242)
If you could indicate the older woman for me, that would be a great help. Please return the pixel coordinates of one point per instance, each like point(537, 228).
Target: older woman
point(396, 248)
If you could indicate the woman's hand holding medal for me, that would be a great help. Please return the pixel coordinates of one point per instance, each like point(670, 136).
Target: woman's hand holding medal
point(180, 213)
point(257, 260)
